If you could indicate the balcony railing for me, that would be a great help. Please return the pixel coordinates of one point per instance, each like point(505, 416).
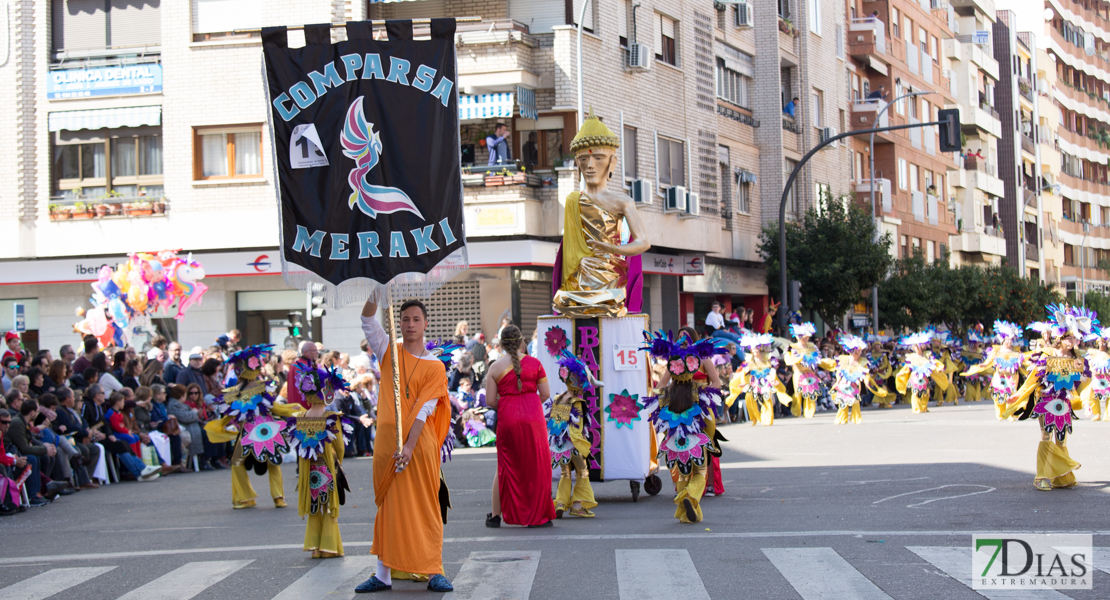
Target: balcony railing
point(994, 232)
point(1027, 144)
point(1032, 252)
point(65, 208)
point(1030, 197)
point(874, 25)
point(737, 116)
point(977, 164)
point(789, 124)
point(1025, 88)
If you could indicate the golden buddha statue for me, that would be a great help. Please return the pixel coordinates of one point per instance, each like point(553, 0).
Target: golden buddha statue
point(594, 272)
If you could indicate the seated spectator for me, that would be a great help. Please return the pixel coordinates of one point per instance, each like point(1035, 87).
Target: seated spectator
point(123, 444)
point(39, 383)
point(9, 494)
point(41, 488)
point(160, 421)
point(109, 382)
point(80, 381)
point(11, 370)
point(58, 373)
point(23, 384)
point(131, 372)
point(188, 419)
point(152, 373)
point(210, 370)
point(69, 423)
point(42, 431)
point(213, 457)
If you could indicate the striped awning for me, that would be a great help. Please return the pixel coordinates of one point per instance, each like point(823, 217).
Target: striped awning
point(104, 118)
point(486, 106)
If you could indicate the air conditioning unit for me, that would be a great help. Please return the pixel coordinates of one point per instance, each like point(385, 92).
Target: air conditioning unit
point(641, 191)
point(675, 199)
point(639, 56)
point(693, 204)
point(743, 15)
point(829, 132)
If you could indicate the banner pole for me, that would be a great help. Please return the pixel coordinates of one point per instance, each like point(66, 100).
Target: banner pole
point(396, 370)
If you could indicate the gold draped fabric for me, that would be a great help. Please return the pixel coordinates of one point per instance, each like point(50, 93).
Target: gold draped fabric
point(593, 283)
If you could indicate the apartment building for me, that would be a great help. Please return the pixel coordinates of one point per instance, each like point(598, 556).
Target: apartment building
point(974, 184)
point(1046, 135)
point(1079, 47)
point(897, 50)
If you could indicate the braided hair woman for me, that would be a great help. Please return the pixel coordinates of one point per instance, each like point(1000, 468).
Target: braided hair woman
point(516, 387)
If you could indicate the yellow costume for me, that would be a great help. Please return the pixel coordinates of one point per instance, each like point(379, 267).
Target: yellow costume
point(914, 379)
point(881, 370)
point(851, 376)
point(948, 393)
point(566, 433)
point(1096, 398)
point(1004, 366)
point(803, 357)
point(758, 382)
point(973, 384)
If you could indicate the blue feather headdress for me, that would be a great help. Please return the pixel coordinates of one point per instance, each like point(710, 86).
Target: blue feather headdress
point(1006, 329)
point(333, 382)
point(802, 329)
point(917, 339)
point(570, 367)
point(444, 350)
point(682, 360)
point(851, 342)
point(251, 358)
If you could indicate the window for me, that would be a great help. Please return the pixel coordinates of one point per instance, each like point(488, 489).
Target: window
point(734, 77)
point(858, 167)
point(227, 153)
point(784, 9)
point(914, 182)
point(217, 19)
point(791, 199)
point(624, 10)
point(671, 156)
point(817, 104)
point(903, 174)
point(933, 48)
point(930, 251)
point(539, 143)
point(124, 163)
point(899, 91)
point(815, 16)
point(894, 22)
point(668, 51)
point(923, 39)
point(822, 191)
point(628, 154)
point(907, 30)
point(855, 86)
point(743, 195)
point(905, 246)
point(587, 22)
point(99, 25)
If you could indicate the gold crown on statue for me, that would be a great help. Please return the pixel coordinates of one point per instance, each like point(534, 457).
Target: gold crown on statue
point(594, 134)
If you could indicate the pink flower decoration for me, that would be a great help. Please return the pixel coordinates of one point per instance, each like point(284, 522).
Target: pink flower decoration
point(563, 373)
point(624, 408)
point(692, 363)
point(252, 363)
point(677, 368)
point(555, 340)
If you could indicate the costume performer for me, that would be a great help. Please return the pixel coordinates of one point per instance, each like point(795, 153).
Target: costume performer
point(878, 363)
point(408, 483)
point(1097, 396)
point(758, 381)
point(318, 437)
point(852, 374)
point(804, 358)
point(921, 370)
point(593, 275)
point(248, 419)
point(1004, 363)
point(568, 439)
point(942, 347)
point(971, 355)
point(685, 416)
point(1052, 391)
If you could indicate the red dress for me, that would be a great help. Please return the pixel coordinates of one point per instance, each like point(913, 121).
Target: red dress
point(523, 454)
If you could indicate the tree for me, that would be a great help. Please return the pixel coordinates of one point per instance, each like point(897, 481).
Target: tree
point(831, 253)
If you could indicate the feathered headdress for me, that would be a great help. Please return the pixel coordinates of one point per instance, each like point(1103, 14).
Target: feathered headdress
point(851, 342)
point(1071, 320)
point(444, 350)
point(1006, 329)
point(682, 360)
point(755, 340)
point(573, 372)
point(249, 361)
point(917, 339)
point(333, 382)
point(802, 329)
point(311, 384)
point(1104, 333)
point(882, 339)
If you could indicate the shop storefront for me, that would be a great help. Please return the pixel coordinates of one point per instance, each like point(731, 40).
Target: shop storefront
point(735, 287)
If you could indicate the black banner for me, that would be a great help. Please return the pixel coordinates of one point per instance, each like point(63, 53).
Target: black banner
point(366, 134)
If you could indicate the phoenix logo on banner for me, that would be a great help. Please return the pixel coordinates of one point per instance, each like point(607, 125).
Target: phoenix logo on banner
point(363, 144)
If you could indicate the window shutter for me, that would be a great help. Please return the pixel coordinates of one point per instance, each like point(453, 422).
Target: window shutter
point(79, 24)
point(539, 15)
point(588, 22)
point(217, 16)
point(135, 23)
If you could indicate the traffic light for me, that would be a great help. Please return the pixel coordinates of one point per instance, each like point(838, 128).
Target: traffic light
point(317, 300)
point(296, 325)
point(949, 129)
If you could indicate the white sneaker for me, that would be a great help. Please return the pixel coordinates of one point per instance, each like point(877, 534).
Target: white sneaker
point(150, 473)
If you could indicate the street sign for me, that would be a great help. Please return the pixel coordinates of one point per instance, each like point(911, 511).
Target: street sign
point(860, 321)
point(20, 317)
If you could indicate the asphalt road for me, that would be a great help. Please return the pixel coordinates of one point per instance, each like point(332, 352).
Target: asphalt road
point(811, 510)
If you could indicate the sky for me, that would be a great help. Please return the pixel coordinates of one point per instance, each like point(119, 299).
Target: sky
point(1030, 15)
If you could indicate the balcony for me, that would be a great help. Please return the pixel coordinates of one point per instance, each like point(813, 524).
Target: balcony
point(1025, 88)
point(1030, 197)
point(862, 115)
point(789, 124)
point(882, 193)
point(76, 208)
point(867, 40)
point(984, 60)
point(1028, 145)
point(494, 56)
point(984, 117)
point(511, 205)
point(986, 241)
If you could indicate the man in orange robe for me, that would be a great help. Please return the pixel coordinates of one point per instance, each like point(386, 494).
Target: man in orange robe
point(408, 529)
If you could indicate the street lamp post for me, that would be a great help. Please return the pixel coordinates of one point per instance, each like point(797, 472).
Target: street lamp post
point(581, 20)
point(871, 171)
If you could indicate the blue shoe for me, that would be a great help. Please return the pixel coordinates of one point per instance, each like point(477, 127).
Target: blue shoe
point(375, 585)
point(439, 583)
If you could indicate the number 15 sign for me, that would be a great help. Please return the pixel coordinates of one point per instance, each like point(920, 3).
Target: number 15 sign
point(627, 357)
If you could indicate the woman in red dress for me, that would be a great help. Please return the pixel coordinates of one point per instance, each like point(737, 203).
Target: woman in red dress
point(522, 486)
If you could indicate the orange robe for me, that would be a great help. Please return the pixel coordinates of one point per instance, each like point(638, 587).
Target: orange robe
point(408, 529)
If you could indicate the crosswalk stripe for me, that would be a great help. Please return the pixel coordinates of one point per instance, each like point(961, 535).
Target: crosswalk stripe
point(496, 576)
point(658, 575)
point(956, 563)
point(187, 581)
point(334, 576)
point(822, 573)
point(51, 582)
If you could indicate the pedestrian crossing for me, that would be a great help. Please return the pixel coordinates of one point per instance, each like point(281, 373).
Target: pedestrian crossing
point(641, 574)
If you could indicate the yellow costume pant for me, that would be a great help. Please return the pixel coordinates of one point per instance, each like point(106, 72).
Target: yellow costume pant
point(849, 415)
point(1055, 467)
point(690, 487)
point(973, 393)
point(948, 395)
point(321, 533)
point(920, 402)
point(241, 489)
point(884, 401)
point(578, 491)
point(762, 413)
point(1094, 408)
